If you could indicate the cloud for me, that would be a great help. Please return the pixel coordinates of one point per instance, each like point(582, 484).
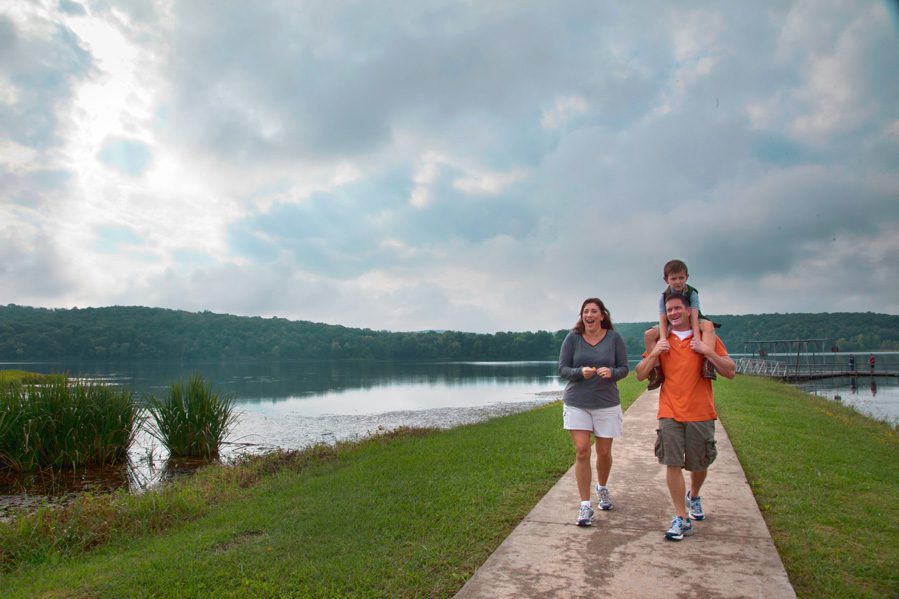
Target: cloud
point(128, 156)
point(466, 165)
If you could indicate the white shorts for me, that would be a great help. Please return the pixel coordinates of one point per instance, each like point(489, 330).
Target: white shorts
point(603, 422)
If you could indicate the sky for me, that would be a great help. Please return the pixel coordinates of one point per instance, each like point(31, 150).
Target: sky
point(468, 165)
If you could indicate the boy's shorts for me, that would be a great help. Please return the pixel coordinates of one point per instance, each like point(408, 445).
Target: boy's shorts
point(602, 422)
point(690, 445)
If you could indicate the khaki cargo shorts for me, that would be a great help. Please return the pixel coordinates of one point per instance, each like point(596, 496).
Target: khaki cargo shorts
point(690, 445)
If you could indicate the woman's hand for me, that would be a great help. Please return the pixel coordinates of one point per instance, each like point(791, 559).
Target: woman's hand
point(604, 372)
point(588, 372)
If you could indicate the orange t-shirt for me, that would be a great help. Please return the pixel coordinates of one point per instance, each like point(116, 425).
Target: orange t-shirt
point(686, 396)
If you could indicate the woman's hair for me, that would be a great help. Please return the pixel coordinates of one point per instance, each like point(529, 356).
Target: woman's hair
point(606, 317)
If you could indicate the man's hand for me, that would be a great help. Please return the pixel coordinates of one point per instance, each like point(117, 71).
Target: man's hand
point(723, 364)
point(701, 348)
point(644, 366)
point(660, 347)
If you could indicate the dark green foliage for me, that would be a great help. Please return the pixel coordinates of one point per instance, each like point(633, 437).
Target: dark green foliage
point(135, 333)
point(192, 420)
point(59, 424)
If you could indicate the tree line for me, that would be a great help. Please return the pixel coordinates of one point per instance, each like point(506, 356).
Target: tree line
point(140, 333)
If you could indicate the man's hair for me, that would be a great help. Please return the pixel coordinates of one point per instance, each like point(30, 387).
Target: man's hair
point(674, 295)
point(673, 266)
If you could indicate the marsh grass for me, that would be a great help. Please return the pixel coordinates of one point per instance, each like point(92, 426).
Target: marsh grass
point(192, 420)
point(410, 512)
point(60, 424)
point(23, 377)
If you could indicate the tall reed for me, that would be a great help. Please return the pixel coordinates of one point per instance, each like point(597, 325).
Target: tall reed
point(192, 420)
point(65, 425)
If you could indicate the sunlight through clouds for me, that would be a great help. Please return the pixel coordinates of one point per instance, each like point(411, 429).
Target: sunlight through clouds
point(448, 165)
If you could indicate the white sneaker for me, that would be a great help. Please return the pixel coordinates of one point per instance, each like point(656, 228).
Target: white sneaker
point(605, 500)
point(585, 516)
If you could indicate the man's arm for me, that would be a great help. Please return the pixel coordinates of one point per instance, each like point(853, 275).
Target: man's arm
point(723, 364)
point(645, 366)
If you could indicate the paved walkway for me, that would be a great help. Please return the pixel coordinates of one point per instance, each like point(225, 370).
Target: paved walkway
point(624, 554)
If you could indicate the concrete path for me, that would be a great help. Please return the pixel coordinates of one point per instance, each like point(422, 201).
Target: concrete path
point(624, 554)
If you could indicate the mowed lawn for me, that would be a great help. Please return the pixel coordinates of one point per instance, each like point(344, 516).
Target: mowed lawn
point(416, 514)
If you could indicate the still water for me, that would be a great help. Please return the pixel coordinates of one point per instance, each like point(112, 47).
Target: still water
point(877, 397)
point(296, 404)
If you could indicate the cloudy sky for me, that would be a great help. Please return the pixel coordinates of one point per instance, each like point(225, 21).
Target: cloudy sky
point(470, 165)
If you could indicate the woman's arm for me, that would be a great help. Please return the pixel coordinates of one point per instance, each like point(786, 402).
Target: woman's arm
point(621, 368)
point(567, 369)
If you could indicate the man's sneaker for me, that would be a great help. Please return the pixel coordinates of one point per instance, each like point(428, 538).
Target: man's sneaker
point(694, 507)
point(585, 517)
point(605, 500)
point(708, 371)
point(680, 528)
point(655, 378)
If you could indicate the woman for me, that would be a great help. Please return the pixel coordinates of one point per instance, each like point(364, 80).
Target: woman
point(592, 358)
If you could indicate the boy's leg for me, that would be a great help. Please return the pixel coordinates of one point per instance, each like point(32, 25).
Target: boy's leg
point(650, 338)
point(709, 337)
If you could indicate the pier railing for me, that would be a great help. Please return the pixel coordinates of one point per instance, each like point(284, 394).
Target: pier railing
point(790, 368)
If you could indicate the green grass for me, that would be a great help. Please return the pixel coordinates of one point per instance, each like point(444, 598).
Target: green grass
point(827, 481)
point(415, 513)
point(192, 420)
point(386, 517)
point(25, 377)
point(60, 424)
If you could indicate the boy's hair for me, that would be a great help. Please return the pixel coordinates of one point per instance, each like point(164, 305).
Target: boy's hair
point(673, 266)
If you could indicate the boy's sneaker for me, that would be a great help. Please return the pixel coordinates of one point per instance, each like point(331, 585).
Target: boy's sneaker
point(585, 517)
point(680, 528)
point(694, 507)
point(605, 499)
point(655, 378)
point(708, 371)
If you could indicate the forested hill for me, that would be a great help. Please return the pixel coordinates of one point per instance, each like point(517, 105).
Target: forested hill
point(136, 333)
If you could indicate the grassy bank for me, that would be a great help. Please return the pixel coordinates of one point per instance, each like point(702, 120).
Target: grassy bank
point(827, 481)
point(24, 377)
point(385, 517)
point(416, 514)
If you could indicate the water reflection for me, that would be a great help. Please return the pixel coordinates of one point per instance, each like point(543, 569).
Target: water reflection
point(877, 398)
point(292, 405)
point(250, 381)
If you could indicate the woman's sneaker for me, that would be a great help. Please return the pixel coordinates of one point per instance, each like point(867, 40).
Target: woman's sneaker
point(585, 516)
point(604, 498)
point(694, 507)
point(680, 528)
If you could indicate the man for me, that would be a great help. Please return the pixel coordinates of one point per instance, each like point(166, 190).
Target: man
point(686, 436)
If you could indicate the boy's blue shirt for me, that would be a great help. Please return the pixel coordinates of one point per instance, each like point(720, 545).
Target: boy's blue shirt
point(690, 292)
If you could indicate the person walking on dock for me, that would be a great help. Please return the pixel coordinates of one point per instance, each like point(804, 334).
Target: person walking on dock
point(851, 362)
point(871, 361)
point(686, 415)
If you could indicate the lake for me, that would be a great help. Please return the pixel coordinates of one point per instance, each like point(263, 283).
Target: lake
point(296, 404)
point(877, 397)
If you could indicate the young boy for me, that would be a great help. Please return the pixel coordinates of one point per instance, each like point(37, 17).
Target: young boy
point(675, 274)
